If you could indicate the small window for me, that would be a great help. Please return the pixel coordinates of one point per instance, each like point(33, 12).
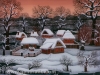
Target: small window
point(59, 44)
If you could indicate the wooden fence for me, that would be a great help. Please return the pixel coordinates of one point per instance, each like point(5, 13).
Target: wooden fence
point(16, 49)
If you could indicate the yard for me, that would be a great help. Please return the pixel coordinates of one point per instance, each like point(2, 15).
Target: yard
point(51, 61)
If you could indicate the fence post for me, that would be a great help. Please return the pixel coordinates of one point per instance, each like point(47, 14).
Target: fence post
point(21, 54)
point(10, 52)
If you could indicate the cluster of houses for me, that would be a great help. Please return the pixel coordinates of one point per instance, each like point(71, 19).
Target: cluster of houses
point(51, 44)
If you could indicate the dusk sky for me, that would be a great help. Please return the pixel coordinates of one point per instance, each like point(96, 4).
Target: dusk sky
point(29, 4)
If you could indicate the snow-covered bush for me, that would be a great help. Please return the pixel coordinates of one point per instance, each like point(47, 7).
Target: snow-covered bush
point(35, 64)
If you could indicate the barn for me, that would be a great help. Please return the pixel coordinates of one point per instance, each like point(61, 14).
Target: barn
point(29, 42)
point(53, 45)
point(20, 35)
point(34, 34)
point(60, 33)
point(47, 33)
point(68, 37)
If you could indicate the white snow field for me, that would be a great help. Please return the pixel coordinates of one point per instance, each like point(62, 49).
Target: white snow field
point(51, 61)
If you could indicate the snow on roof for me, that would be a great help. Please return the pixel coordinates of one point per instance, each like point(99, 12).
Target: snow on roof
point(82, 41)
point(34, 34)
point(51, 43)
point(31, 48)
point(32, 70)
point(48, 31)
point(19, 34)
point(60, 32)
point(30, 40)
point(68, 35)
point(46, 45)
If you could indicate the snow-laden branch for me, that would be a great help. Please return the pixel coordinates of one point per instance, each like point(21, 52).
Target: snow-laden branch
point(98, 25)
point(84, 3)
point(92, 1)
point(96, 39)
point(84, 37)
point(79, 22)
point(86, 15)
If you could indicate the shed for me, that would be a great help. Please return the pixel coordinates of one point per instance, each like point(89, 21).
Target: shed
point(60, 33)
point(54, 45)
point(47, 33)
point(68, 37)
point(20, 35)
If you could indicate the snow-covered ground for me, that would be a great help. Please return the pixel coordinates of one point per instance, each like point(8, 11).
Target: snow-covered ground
point(92, 47)
point(51, 61)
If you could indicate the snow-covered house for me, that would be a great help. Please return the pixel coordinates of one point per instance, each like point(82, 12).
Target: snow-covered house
point(68, 37)
point(47, 33)
point(34, 34)
point(60, 33)
point(69, 40)
point(29, 42)
point(20, 35)
point(53, 45)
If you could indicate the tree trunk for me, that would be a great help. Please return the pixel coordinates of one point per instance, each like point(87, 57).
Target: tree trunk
point(3, 52)
point(60, 27)
point(7, 40)
point(43, 25)
point(93, 32)
point(1, 70)
point(85, 68)
point(67, 68)
point(79, 34)
point(24, 29)
point(29, 68)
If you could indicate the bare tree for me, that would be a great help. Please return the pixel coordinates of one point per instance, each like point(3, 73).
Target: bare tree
point(80, 20)
point(85, 33)
point(35, 64)
point(91, 9)
point(10, 9)
point(87, 60)
point(24, 22)
point(79, 23)
point(62, 12)
point(66, 62)
point(42, 13)
point(5, 65)
point(97, 34)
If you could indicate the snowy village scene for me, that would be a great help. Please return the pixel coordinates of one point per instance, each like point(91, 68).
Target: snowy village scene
point(49, 37)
